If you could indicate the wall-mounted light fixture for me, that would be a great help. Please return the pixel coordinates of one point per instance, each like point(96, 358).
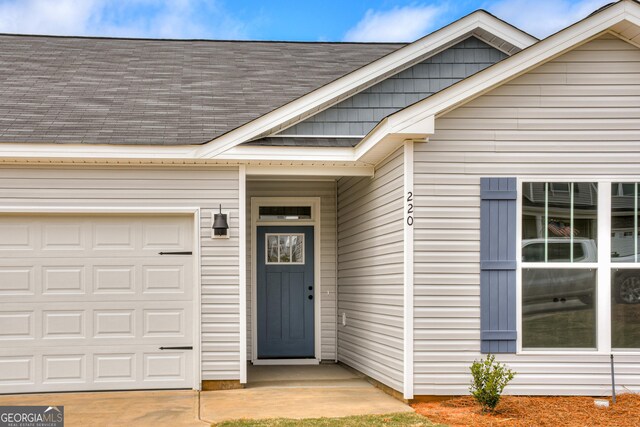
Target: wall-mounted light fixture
point(220, 225)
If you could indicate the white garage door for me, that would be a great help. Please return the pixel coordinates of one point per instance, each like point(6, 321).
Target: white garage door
point(87, 301)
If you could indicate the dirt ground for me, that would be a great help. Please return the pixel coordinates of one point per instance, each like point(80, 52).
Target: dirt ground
point(535, 411)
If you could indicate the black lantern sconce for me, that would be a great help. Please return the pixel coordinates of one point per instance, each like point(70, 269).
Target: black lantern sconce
point(220, 225)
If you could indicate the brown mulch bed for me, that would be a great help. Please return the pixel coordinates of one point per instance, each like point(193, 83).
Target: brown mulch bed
point(523, 411)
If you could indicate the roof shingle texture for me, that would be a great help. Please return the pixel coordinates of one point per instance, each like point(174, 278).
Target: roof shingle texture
point(160, 92)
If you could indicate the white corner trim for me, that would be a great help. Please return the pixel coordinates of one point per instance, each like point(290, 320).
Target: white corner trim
point(428, 45)
point(197, 311)
point(514, 66)
point(242, 269)
point(409, 217)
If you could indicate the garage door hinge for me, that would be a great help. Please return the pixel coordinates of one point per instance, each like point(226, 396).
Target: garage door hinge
point(175, 253)
point(177, 348)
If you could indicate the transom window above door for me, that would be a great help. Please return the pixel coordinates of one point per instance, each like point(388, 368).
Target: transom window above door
point(289, 213)
point(284, 248)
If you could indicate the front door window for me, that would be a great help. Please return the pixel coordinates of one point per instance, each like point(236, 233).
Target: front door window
point(284, 248)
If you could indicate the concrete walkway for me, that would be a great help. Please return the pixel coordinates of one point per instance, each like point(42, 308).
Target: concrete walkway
point(299, 392)
point(272, 392)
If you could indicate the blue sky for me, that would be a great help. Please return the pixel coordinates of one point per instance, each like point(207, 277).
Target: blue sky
point(310, 20)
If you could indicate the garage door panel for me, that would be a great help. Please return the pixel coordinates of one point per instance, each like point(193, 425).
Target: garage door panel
point(16, 324)
point(17, 280)
point(97, 279)
point(114, 235)
point(118, 278)
point(164, 278)
point(96, 368)
point(88, 301)
point(66, 279)
point(17, 235)
point(58, 324)
point(110, 367)
point(163, 323)
point(64, 236)
point(163, 367)
point(17, 370)
point(119, 235)
point(64, 368)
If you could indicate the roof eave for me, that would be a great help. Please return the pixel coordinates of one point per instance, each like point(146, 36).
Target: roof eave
point(356, 80)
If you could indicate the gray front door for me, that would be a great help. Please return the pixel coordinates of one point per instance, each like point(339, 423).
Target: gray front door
point(285, 291)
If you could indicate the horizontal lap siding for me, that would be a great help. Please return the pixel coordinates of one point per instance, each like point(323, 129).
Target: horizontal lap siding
point(157, 187)
point(578, 115)
point(326, 190)
point(370, 272)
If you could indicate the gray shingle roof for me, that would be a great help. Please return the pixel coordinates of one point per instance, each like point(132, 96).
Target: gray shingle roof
point(163, 92)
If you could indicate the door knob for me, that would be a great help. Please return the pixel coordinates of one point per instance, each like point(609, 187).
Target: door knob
point(310, 296)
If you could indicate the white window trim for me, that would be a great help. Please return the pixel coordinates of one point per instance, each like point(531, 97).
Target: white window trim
point(604, 264)
point(314, 202)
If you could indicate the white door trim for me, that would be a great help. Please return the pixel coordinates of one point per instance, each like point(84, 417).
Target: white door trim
point(314, 202)
point(195, 211)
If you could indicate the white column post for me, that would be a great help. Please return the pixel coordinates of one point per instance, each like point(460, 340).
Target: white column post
point(242, 268)
point(408, 221)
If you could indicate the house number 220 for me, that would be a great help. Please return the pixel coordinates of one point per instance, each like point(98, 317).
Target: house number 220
point(410, 208)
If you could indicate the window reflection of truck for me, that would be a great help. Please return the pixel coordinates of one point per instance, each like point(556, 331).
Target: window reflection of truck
point(549, 284)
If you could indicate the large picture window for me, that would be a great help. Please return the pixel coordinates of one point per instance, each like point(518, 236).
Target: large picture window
point(625, 271)
point(559, 264)
point(572, 274)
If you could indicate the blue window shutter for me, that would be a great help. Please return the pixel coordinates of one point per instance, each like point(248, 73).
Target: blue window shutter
point(498, 265)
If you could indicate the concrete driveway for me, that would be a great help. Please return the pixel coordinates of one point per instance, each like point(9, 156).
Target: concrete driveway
point(273, 392)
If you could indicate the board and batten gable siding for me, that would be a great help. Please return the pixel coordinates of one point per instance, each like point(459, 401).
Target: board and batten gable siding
point(575, 116)
point(144, 187)
point(326, 190)
point(371, 272)
point(357, 115)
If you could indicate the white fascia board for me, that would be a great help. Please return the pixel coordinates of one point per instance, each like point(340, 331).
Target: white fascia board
point(310, 170)
point(88, 151)
point(513, 67)
point(506, 32)
point(423, 47)
point(275, 153)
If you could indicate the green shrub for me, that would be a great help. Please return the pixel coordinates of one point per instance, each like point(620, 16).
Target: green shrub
point(489, 380)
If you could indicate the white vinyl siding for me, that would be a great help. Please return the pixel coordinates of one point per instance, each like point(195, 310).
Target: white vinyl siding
point(326, 190)
point(141, 187)
point(370, 272)
point(576, 116)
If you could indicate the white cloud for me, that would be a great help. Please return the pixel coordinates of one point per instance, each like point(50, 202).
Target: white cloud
point(544, 17)
point(123, 18)
point(398, 24)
